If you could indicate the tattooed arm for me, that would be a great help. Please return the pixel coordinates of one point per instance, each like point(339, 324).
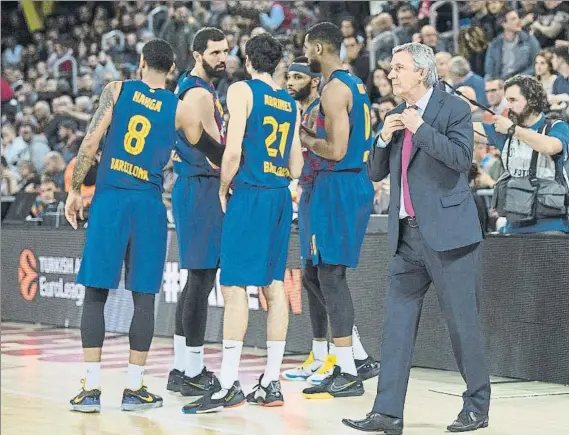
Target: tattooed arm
point(97, 128)
point(99, 125)
point(237, 94)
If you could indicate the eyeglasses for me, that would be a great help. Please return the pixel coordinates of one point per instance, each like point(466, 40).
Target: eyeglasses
point(489, 91)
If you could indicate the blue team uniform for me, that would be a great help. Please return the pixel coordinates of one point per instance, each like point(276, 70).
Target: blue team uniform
point(256, 229)
point(311, 162)
point(342, 193)
point(195, 197)
point(127, 219)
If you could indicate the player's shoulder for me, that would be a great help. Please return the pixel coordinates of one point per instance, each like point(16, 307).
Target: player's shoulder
point(335, 92)
point(240, 89)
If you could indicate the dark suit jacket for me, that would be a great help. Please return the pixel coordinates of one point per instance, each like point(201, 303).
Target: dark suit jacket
point(437, 175)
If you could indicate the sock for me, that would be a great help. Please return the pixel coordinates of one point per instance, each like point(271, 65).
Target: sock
point(359, 351)
point(332, 350)
point(92, 375)
point(179, 355)
point(345, 359)
point(230, 363)
point(134, 377)
point(194, 361)
point(275, 354)
point(320, 349)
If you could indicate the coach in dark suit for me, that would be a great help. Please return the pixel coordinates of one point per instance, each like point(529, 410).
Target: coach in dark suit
point(426, 145)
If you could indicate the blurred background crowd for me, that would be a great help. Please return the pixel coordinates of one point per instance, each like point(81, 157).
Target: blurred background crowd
point(58, 56)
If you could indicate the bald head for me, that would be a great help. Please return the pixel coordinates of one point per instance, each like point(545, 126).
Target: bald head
point(430, 36)
point(384, 22)
point(468, 92)
point(442, 60)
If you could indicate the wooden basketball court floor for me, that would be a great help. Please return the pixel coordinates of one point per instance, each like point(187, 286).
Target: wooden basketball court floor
point(42, 368)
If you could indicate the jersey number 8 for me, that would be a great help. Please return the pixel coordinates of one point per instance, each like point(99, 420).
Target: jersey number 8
point(134, 139)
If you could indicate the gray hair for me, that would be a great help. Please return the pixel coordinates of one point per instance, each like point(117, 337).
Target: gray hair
point(423, 57)
point(459, 66)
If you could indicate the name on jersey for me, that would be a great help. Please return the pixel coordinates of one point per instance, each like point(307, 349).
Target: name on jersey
point(277, 103)
point(279, 171)
point(149, 103)
point(175, 157)
point(129, 168)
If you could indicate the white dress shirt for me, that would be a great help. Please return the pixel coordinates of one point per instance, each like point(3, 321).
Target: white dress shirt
point(421, 107)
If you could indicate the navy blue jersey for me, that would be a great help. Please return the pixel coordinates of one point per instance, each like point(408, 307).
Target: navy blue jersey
point(187, 160)
point(140, 138)
point(360, 140)
point(268, 138)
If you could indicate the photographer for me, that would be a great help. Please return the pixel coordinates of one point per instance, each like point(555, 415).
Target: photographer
point(524, 131)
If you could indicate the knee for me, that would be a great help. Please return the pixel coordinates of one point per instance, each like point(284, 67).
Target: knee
point(232, 294)
point(143, 303)
point(95, 296)
point(332, 276)
point(275, 294)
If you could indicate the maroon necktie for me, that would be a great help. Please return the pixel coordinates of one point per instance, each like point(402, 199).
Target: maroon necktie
point(405, 158)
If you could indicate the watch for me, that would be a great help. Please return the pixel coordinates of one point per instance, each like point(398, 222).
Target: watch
point(512, 130)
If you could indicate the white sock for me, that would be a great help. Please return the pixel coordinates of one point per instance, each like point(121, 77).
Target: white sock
point(275, 354)
point(92, 375)
point(230, 363)
point(194, 361)
point(179, 352)
point(320, 349)
point(359, 351)
point(345, 359)
point(332, 350)
point(134, 377)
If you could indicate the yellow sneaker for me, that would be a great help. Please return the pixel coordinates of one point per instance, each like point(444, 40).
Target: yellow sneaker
point(324, 371)
point(302, 373)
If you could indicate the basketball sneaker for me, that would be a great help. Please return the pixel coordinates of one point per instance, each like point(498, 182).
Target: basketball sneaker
point(367, 368)
point(302, 373)
point(216, 401)
point(137, 400)
point(87, 400)
point(266, 396)
point(200, 384)
point(324, 371)
point(338, 385)
point(175, 380)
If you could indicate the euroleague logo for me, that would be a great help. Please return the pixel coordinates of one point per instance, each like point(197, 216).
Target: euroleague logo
point(27, 275)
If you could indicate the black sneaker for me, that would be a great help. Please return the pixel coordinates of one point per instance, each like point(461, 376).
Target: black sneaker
point(175, 380)
point(266, 396)
point(87, 400)
point(137, 400)
point(367, 368)
point(336, 385)
point(200, 384)
point(212, 401)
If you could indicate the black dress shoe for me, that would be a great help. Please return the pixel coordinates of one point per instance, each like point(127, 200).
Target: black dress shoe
point(467, 421)
point(376, 422)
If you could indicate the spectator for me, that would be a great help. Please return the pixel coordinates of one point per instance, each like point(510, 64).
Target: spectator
point(551, 23)
point(430, 37)
point(35, 148)
point(104, 67)
point(70, 140)
point(496, 98)
point(560, 88)
point(407, 24)
point(9, 179)
point(45, 202)
point(468, 92)
point(442, 60)
point(275, 16)
point(233, 73)
point(544, 70)
point(12, 55)
point(29, 177)
point(55, 168)
point(179, 32)
point(461, 75)
point(385, 39)
point(490, 165)
point(512, 52)
point(358, 57)
point(348, 27)
point(12, 149)
point(384, 106)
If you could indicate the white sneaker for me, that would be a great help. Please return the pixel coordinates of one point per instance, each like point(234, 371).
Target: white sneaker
point(323, 372)
point(308, 368)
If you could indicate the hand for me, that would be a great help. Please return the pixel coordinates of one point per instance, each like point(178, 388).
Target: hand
point(311, 121)
point(223, 200)
point(553, 99)
point(502, 124)
point(73, 205)
point(391, 124)
point(411, 120)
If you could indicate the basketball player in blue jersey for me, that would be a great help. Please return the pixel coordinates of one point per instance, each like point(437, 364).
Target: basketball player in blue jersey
point(302, 85)
point(341, 199)
point(127, 222)
point(262, 154)
point(198, 216)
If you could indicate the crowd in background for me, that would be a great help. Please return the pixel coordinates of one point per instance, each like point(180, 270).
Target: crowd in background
point(45, 112)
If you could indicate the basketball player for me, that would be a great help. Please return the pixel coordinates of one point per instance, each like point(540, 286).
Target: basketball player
point(263, 129)
point(127, 221)
point(302, 85)
point(341, 198)
point(198, 216)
